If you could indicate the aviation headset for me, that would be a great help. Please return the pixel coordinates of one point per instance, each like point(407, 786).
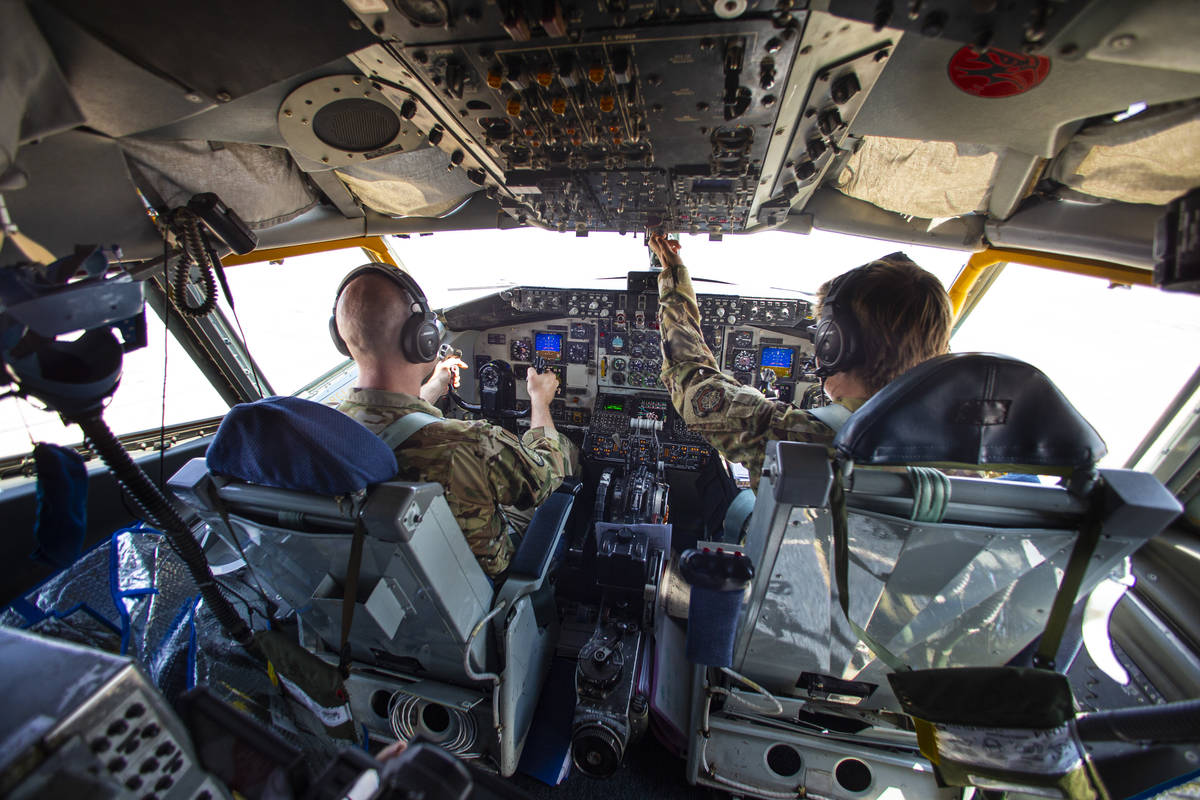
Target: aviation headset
point(419, 338)
point(837, 336)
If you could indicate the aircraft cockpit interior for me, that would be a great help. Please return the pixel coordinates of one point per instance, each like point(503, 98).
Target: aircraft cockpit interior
point(955, 590)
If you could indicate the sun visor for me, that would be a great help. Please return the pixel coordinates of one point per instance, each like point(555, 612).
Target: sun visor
point(417, 183)
point(1151, 158)
point(261, 184)
point(923, 179)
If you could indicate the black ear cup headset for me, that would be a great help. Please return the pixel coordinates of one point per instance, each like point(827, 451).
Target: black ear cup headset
point(836, 336)
point(420, 336)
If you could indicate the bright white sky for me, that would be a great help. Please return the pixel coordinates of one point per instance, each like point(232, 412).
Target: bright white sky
point(1118, 354)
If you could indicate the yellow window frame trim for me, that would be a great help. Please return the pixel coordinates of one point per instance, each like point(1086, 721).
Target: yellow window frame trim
point(980, 263)
point(374, 247)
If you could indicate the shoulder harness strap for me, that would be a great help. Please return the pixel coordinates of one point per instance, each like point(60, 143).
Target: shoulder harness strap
point(399, 431)
point(833, 415)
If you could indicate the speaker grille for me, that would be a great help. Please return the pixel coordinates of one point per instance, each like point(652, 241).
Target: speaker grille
point(356, 125)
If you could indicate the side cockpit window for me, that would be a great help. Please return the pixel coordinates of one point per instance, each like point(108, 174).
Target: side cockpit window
point(1119, 354)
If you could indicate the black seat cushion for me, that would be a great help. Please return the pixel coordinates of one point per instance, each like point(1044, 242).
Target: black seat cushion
point(971, 409)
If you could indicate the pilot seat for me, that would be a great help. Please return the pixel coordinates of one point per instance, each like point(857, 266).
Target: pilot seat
point(433, 649)
point(929, 570)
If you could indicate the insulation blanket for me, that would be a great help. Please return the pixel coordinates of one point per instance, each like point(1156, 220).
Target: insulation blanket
point(261, 184)
point(1152, 158)
point(418, 183)
point(930, 180)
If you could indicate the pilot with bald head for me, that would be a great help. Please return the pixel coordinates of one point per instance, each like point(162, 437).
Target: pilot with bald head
point(492, 479)
point(874, 322)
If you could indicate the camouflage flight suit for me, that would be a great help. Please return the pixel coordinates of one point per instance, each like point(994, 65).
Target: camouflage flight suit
point(481, 467)
point(737, 420)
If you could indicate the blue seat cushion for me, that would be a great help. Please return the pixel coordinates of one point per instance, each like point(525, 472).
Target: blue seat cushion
point(289, 443)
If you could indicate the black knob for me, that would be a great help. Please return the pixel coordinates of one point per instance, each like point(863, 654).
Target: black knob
point(805, 170)
point(829, 121)
point(844, 88)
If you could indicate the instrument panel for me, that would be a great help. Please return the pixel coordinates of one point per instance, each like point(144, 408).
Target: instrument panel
point(606, 348)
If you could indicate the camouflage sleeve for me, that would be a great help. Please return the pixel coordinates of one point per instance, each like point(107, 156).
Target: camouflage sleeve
point(737, 420)
point(525, 472)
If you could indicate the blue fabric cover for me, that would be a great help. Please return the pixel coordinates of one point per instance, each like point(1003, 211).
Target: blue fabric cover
point(62, 491)
point(712, 624)
point(289, 443)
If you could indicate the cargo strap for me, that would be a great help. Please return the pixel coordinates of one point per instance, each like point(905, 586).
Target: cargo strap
point(1064, 601)
point(350, 597)
point(841, 569)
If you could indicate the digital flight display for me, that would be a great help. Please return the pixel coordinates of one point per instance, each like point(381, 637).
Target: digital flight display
point(614, 403)
point(548, 345)
point(778, 360)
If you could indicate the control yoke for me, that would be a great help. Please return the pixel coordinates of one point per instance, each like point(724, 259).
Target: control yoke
point(497, 389)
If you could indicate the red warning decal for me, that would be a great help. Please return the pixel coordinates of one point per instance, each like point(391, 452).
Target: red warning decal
point(996, 73)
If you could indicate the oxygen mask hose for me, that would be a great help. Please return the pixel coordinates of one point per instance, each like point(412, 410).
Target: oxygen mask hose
point(159, 510)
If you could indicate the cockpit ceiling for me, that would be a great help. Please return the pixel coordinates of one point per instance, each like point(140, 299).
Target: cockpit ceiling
point(317, 119)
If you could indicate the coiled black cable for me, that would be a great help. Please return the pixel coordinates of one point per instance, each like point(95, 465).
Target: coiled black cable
point(184, 223)
point(160, 512)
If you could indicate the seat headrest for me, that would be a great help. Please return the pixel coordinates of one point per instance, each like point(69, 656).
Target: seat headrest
point(289, 443)
point(972, 409)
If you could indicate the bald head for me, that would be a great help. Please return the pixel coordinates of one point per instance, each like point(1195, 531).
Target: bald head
point(371, 312)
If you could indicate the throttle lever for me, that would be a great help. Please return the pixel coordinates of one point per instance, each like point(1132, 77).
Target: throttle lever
point(539, 365)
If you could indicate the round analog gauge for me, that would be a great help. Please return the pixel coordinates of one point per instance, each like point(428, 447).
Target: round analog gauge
point(489, 376)
point(637, 337)
point(635, 365)
point(636, 351)
point(616, 342)
point(520, 350)
point(743, 360)
point(652, 338)
point(579, 352)
point(618, 378)
point(635, 379)
point(743, 338)
point(618, 364)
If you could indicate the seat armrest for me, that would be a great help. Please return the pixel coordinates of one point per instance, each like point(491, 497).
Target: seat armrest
point(529, 566)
